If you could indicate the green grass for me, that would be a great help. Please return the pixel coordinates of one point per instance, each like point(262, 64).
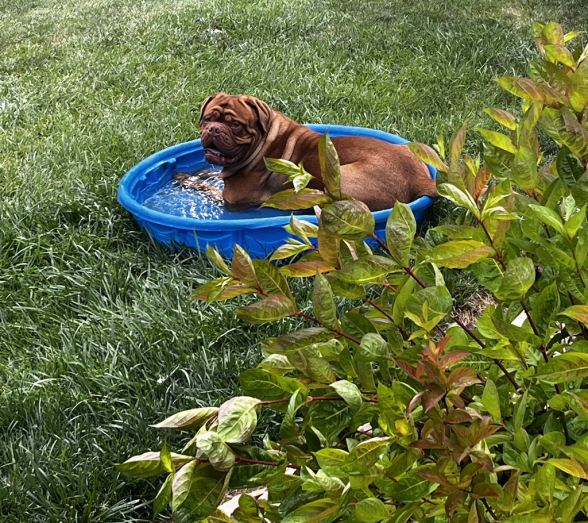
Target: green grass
point(97, 336)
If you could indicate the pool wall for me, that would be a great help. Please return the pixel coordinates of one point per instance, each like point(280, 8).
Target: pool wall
point(260, 236)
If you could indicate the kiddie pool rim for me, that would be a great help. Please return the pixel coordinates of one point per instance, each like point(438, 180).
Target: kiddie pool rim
point(184, 223)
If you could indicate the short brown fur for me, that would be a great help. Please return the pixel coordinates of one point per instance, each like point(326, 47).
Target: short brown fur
point(238, 132)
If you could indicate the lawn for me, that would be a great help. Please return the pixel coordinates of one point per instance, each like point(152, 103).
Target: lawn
point(98, 337)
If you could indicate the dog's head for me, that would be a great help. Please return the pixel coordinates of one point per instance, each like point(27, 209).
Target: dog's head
point(231, 127)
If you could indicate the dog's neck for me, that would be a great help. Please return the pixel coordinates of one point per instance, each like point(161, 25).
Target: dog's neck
point(279, 124)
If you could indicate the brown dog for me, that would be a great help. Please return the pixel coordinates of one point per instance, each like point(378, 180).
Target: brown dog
point(238, 132)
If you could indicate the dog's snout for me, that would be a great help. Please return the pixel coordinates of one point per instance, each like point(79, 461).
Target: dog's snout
point(214, 129)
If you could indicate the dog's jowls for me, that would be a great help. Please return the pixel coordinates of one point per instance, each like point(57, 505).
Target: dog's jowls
point(238, 132)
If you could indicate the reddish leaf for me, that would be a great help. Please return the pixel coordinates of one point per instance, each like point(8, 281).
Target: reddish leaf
point(452, 502)
point(463, 433)
point(485, 490)
point(414, 402)
point(435, 477)
point(485, 432)
point(407, 368)
point(458, 416)
point(431, 398)
point(459, 374)
point(433, 372)
point(453, 357)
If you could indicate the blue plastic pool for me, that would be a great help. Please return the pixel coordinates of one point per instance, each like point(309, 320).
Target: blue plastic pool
point(260, 231)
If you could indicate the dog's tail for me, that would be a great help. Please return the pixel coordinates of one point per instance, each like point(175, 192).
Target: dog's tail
point(427, 187)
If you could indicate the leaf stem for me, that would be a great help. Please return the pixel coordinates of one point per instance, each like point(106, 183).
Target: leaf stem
point(546, 358)
point(339, 332)
point(498, 254)
point(489, 509)
point(409, 271)
point(381, 243)
point(382, 311)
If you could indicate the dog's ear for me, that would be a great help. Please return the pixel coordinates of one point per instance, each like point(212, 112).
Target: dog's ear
point(205, 105)
point(264, 113)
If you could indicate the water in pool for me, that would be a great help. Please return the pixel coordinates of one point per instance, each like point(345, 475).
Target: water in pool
point(178, 200)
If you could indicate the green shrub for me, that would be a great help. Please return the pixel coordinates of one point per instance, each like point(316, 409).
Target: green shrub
point(393, 409)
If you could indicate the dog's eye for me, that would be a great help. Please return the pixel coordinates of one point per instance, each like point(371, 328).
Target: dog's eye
point(235, 125)
point(206, 120)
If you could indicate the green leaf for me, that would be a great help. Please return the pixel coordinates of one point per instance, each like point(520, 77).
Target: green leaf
point(268, 310)
point(456, 143)
point(330, 168)
point(560, 53)
point(565, 129)
point(578, 313)
point(518, 279)
point(368, 269)
point(569, 466)
point(187, 419)
point(331, 460)
point(566, 367)
point(164, 496)
point(304, 269)
point(323, 303)
point(271, 279)
point(277, 364)
point(580, 189)
point(410, 487)
point(371, 510)
point(460, 254)
point(498, 140)
point(568, 509)
point(550, 79)
point(491, 400)
point(459, 197)
point(575, 222)
point(548, 217)
point(182, 483)
point(578, 87)
point(268, 387)
point(373, 348)
point(302, 229)
point(166, 458)
point(524, 168)
point(319, 511)
point(221, 290)
point(299, 339)
point(365, 454)
point(348, 219)
point(237, 418)
point(430, 306)
point(295, 173)
point(400, 231)
point(350, 393)
point(197, 496)
point(288, 250)
point(288, 200)
point(569, 167)
point(502, 117)
point(345, 289)
point(243, 267)
point(545, 307)
point(216, 450)
point(217, 259)
point(288, 428)
point(545, 483)
point(522, 87)
point(149, 464)
point(428, 155)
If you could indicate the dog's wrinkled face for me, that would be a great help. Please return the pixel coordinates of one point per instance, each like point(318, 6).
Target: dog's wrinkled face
point(231, 127)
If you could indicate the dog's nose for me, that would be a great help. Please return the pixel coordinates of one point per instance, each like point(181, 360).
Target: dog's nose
point(214, 129)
